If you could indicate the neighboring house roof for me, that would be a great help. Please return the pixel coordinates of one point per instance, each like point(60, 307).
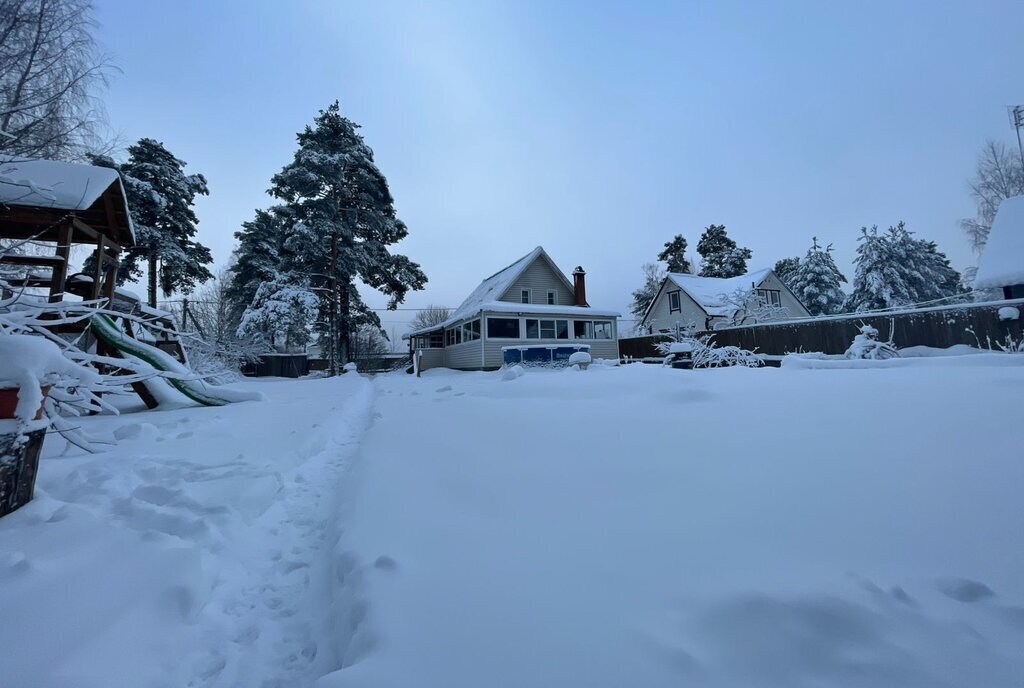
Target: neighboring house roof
point(58, 185)
point(1002, 260)
point(710, 293)
point(486, 297)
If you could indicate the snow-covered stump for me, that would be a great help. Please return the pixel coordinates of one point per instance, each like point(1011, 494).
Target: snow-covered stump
point(19, 463)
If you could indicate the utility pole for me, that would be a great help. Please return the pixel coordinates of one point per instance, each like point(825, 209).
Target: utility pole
point(1017, 120)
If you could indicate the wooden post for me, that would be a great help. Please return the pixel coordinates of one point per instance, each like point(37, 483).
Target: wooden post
point(60, 272)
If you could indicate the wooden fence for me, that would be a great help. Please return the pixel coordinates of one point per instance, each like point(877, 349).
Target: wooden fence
point(939, 327)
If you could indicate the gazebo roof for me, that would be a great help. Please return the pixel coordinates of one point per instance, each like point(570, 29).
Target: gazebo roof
point(36, 195)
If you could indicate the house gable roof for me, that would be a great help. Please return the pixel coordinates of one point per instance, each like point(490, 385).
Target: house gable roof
point(488, 295)
point(709, 293)
point(1002, 260)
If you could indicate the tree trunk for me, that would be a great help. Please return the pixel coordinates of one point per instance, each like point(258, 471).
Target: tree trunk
point(345, 343)
point(152, 279)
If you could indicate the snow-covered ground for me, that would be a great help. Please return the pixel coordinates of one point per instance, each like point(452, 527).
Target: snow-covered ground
point(611, 527)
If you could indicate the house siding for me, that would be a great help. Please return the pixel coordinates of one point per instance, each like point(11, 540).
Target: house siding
point(464, 355)
point(659, 316)
point(539, 277)
point(794, 308)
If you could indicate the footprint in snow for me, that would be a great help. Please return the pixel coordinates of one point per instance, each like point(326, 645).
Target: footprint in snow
point(964, 590)
point(446, 388)
point(385, 563)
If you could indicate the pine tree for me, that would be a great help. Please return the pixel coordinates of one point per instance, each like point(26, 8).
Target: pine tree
point(674, 255)
point(642, 297)
point(280, 315)
point(259, 255)
point(785, 268)
point(879, 281)
point(160, 196)
point(816, 280)
point(345, 220)
point(720, 256)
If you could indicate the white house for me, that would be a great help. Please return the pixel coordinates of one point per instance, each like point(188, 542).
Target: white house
point(529, 304)
point(705, 303)
point(1002, 261)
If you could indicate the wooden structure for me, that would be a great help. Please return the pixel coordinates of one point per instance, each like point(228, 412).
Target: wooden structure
point(64, 204)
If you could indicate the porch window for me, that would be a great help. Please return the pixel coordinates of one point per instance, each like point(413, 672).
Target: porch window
point(561, 329)
point(524, 296)
point(583, 329)
point(602, 330)
point(503, 328)
point(674, 303)
point(532, 329)
point(547, 329)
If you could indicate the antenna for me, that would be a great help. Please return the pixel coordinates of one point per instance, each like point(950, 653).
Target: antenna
point(1016, 113)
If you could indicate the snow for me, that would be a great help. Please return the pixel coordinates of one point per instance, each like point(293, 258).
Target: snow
point(580, 358)
point(681, 347)
point(711, 293)
point(29, 363)
point(636, 525)
point(53, 184)
point(1002, 260)
point(1009, 313)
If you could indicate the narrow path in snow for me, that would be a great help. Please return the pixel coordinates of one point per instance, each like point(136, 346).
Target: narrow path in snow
point(201, 551)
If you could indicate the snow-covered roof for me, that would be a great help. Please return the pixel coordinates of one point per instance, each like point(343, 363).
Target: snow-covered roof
point(55, 184)
point(710, 292)
point(52, 183)
point(486, 296)
point(1002, 261)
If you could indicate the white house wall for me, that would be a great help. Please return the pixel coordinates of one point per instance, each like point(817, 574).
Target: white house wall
point(539, 277)
point(659, 316)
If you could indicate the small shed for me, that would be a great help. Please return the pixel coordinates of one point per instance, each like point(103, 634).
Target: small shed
point(1002, 260)
point(64, 203)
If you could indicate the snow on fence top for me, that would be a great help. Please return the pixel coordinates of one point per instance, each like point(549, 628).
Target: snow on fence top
point(53, 184)
point(711, 293)
point(1002, 261)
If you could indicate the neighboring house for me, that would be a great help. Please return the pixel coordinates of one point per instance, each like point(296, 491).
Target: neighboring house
point(1002, 260)
point(529, 303)
point(704, 303)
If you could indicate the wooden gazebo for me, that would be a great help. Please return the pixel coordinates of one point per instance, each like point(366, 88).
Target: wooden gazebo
point(65, 204)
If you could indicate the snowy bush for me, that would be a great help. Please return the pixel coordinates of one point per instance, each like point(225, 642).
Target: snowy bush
point(867, 345)
point(512, 372)
point(704, 352)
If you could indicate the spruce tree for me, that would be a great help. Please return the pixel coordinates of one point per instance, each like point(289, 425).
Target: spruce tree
point(674, 255)
point(161, 197)
point(816, 280)
point(884, 276)
point(720, 256)
point(345, 220)
point(785, 268)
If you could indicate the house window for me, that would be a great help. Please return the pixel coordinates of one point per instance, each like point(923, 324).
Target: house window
point(532, 329)
point(503, 328)
point(602, 330)
point(583, 329)
point(771, 297)
point(435, 340)
point(458, 335)
point(473, 329)
point(547, 329)
point(561, 329)
point(552, 297)
point(524, 296)
point(674, 303)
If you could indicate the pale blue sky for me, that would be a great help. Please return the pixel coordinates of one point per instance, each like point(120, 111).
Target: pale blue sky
point(595, 129)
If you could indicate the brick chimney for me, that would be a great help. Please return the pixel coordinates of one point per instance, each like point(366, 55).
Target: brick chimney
point(579, 286)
